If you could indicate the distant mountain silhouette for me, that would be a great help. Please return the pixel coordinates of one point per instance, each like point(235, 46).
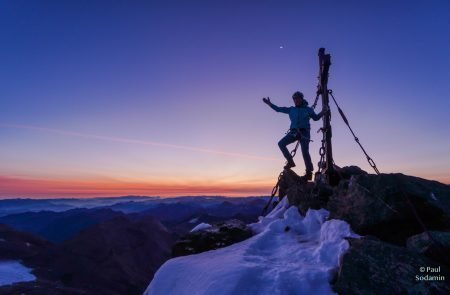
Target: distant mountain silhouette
point(58, 226)
point(14, 206)
point(171, 214)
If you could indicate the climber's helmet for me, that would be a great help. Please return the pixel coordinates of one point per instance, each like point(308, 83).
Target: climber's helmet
point(297, 97)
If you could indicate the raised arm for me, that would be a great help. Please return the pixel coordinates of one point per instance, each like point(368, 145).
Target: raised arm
point(315, 116)
point(275, 107)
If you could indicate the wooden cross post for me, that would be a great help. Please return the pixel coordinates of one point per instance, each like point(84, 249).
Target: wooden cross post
point(324, 66)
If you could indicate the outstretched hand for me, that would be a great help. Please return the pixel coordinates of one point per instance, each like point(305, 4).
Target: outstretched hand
point(266, 100)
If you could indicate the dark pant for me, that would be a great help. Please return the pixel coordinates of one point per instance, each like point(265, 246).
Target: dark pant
point(293, 136)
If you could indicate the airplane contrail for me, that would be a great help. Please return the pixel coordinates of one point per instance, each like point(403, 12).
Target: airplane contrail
point(137, 141)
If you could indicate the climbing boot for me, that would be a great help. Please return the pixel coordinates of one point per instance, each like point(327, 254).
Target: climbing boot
point(290, 164)
point(308, 175)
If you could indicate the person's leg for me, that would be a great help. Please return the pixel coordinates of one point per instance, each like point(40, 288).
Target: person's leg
point(304, 143)
point(282, 144)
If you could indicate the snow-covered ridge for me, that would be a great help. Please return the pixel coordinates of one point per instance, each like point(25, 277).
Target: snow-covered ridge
point(290, 254)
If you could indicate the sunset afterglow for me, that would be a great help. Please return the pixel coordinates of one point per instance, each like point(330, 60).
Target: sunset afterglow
point(164, 99)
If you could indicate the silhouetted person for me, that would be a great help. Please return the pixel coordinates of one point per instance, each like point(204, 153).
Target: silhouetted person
point(299, 129)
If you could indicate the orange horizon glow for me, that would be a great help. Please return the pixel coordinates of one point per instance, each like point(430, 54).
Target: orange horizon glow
point(14, 187)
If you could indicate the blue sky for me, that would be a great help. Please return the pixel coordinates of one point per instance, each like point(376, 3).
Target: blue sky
point(192, 74)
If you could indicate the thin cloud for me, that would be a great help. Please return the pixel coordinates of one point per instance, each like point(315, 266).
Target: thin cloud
point(136, 141)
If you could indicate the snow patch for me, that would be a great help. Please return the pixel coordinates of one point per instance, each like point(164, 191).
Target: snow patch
point(290, 254)
point(273, 215)
point(433, 196)
point(193, 220)
point(201, 226)
point(14, 272)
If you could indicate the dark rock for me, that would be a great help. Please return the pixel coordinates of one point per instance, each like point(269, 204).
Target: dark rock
point(309, 196)
point(378, 205)
point(348, 171)
point(288, 180)
point(375, 267)
point(437, 247)
point(218, 236)
point(304, 195)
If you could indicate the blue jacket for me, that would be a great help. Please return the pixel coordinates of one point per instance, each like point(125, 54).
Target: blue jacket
point(299, 115)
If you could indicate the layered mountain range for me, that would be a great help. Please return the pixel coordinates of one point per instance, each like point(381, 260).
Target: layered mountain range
point(113, 249)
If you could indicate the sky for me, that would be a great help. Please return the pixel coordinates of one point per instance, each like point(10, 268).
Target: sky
point(163, 98)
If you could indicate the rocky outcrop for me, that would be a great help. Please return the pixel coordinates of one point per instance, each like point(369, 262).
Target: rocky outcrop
point(383, 205)
point(304, 195)
point(393, 210)
point(348, 171)
point(387, 206)
point(217, 236)
point(375, 267)
point(434, 244)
